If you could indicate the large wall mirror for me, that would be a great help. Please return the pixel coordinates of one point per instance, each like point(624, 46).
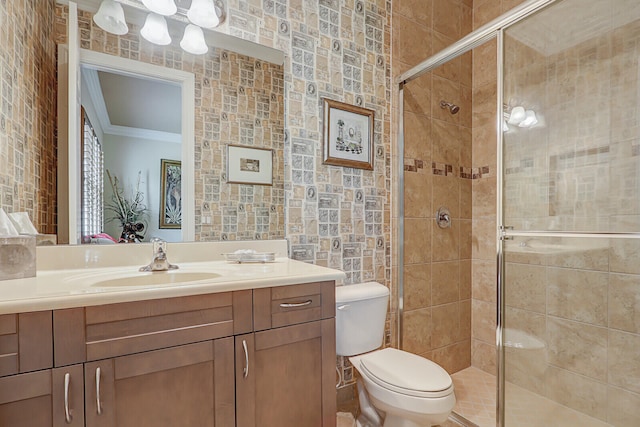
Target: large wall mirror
point(231, 95)
point(136, 123)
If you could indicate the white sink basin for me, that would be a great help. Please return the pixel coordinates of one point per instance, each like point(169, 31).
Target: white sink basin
point(156, 278)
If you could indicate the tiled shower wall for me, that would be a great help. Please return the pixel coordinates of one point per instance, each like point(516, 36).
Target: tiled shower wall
point(438, 171)
point(238, 100)
point(28, 112)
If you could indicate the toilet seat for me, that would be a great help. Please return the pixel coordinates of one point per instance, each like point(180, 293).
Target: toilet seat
point(406, 373)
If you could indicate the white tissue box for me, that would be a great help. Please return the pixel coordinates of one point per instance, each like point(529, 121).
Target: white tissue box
point(17, 257)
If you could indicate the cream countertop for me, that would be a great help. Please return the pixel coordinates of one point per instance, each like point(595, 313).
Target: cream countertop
point(96, 285)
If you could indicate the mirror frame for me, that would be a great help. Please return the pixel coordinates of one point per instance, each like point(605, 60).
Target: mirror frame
point(186, 80)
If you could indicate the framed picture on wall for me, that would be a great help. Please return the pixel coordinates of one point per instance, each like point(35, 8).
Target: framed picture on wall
point(249, 165)
point(348, 135)
point(170, 194)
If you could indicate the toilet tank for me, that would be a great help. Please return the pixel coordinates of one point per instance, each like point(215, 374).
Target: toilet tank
point(361, 311)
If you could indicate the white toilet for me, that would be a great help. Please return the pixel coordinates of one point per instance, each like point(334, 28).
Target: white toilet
point(400, 388)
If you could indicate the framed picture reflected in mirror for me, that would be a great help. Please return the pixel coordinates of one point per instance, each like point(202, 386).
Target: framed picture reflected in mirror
point(170, 194)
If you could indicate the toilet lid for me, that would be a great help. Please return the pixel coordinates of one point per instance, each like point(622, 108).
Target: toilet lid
point(406, 373)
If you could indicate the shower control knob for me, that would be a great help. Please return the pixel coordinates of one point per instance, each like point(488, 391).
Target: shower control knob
point(443, 217)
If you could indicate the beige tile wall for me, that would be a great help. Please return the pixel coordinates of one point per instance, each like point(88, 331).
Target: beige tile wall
point(437, 172)
point(28, 111)
point(585, 312)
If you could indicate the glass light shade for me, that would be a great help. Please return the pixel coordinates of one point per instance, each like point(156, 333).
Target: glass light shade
point(517, 115)
point(155, 30)
point(110, 17)
point(530, 119)
point(193, 40)
point(161, 7)
point(203, 14)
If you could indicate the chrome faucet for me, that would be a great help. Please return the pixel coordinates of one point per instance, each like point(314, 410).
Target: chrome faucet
point(159, 262)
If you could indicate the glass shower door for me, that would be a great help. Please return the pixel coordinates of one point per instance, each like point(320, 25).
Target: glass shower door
point(570, 309)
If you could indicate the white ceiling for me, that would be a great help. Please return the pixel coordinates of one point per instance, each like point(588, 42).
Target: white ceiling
point(135, 106)
point(568, 23)
point(141, 103)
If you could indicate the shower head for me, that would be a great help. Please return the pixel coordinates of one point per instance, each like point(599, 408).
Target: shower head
point(453, 108)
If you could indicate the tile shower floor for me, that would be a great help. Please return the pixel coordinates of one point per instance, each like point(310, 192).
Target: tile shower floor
point(476, 401)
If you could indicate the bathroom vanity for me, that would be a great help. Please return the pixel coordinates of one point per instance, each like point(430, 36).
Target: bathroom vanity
point(254, 345)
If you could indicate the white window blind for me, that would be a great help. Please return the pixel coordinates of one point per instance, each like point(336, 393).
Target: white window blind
point(92, 181)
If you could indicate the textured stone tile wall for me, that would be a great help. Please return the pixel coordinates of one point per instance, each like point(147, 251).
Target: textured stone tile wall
point(335, 216)
point(28, 111)
point(238, 100)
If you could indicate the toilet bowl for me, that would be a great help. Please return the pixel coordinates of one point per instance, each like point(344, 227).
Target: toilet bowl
point(398, 389)
point(410, 390)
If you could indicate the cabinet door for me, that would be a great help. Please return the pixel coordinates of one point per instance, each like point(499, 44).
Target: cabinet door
point(52, 397)
point(189, 385)
point(286, 376)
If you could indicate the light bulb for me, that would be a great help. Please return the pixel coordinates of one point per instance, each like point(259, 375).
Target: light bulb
point(193, 40)
point(517, 115)
point(530, 119)
point(155, 30)
point(203, 14)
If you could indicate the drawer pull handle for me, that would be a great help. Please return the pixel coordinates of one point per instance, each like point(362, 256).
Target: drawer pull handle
point(295, 304)
point(98, 404)
point(245, 370)
point(67, 412)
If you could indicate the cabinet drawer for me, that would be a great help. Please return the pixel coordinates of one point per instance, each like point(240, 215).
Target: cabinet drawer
point(26, 342)
point(288, 305)
point(100, 332)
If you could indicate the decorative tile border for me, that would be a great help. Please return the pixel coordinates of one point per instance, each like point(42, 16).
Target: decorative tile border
point(442, 169)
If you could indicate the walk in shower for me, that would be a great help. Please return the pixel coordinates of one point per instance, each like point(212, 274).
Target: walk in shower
point(529, 292)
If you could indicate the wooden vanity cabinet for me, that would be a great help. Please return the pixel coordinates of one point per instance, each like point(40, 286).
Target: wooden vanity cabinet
point(32, 393)
point(188, 385)
point(262, 357)
point(46, 398)
point(285, 371)
point(26, 342)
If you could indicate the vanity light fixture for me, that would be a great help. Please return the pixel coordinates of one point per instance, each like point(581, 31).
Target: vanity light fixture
point(155, 30)
point(110, 17)
point(193, 40)
point(161, 7)
point(203, 13)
